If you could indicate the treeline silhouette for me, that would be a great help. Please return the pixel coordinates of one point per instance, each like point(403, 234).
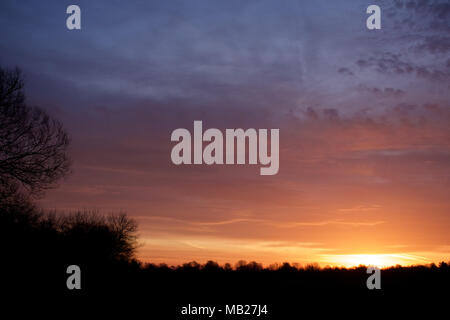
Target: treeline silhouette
point(253, 266)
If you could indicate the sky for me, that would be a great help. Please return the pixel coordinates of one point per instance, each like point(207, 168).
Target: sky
point(364, 120)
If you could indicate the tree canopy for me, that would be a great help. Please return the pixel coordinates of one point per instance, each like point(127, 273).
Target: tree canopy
point(33, 146)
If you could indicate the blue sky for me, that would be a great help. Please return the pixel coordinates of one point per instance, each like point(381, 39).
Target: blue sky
point(159, 50)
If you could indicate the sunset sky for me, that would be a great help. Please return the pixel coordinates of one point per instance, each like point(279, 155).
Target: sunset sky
point(364, 119)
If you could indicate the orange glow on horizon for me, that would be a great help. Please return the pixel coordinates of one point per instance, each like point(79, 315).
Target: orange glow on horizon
point(178, 250)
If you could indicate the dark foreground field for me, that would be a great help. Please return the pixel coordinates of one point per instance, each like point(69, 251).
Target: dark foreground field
point(161, 292)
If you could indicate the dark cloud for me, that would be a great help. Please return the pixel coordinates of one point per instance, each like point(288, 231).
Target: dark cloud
point(414, 44)
point(435, 44)
point(331, 113)
point(390, 63)
point(438, 9)
point(383, 92)
point(345, 71)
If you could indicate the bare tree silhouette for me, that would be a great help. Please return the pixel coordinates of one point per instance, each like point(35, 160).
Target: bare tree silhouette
point(33, 146)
